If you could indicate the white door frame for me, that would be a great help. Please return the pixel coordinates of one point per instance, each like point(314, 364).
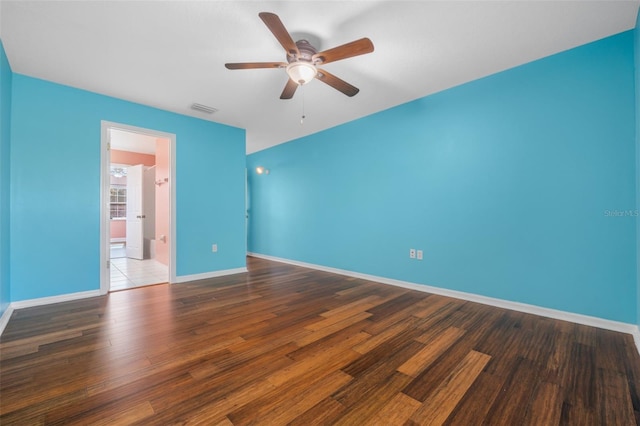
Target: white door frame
point(105, 183)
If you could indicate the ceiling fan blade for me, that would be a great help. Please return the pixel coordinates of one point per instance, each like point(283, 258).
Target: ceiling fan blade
point(289, 89)
point(337, 83)
point(276, 26)
point(253, 65)
point(355, 48)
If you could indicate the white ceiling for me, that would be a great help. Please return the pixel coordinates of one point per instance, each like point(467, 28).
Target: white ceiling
point(133, 142)
point(170, 54)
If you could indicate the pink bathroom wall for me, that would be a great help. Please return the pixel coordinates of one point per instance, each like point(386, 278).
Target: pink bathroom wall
point(127, 157)
point(163, 197)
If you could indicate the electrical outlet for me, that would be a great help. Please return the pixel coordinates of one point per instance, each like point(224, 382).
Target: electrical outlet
point(214, 248)
point(412, 253)
point(419, 254)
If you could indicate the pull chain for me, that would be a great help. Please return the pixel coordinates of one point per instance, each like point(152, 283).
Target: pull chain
point(303, 116)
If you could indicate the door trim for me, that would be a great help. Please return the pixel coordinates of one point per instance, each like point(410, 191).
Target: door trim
point(105, 228)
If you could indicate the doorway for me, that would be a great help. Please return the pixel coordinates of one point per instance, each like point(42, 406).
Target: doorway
point(137, 209)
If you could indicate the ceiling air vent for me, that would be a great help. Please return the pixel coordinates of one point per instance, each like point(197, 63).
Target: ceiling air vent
point(203, 108)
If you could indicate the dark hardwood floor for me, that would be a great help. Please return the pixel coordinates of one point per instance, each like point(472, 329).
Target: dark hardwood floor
point(289, 345)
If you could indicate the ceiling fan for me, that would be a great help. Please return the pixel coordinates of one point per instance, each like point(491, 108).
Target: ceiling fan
point(303, 59)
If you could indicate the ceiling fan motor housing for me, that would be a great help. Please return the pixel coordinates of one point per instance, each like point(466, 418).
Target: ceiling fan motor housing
point(306, 52)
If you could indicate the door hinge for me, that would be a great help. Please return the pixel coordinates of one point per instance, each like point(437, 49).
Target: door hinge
point(108, 146)
point(108, 264)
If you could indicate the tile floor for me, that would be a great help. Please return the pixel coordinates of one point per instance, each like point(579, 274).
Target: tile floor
point(130, 273)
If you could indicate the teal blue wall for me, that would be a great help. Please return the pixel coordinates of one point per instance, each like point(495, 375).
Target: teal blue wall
point(636, 47)
point(511, 184)
point(5, 136)
point(55, 187)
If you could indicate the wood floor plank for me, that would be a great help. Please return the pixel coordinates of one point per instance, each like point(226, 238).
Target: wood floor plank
point(223, 422)
point(558, 358)
point(110, 403)
point(397, 304)
point(399, 349)
point(196, 349)
point(339, 354)
point(199, 397)
point(435, 347)
point(323, 413)
point(546, 406)
point(440, 404)
point(632, 373)
point(363, 410)
point(332, 328)
point(387, 334)
point(287, 394)
point(358, 305)
point(607, 357)
point(511, 404)
point(239, 362)
point(372, 376)
point(427, 381)
point(282, 344)
point(344, 315)
point(432, 304)
point(318, 346)
point(477, 401)
point(201, 408)
point(35, 411)
point(581, 389)
point(397, 411)
point(616, 408)
point(138, 412)
point(305, 399)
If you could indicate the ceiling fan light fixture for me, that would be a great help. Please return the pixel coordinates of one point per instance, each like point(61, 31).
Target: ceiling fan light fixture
point(301, 72)
point(118, 172)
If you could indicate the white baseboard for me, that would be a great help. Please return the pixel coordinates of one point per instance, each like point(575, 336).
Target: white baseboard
point(54, 299)
point(93, 293)
point(4, 320)
point(206, 275)
point(500, 303)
